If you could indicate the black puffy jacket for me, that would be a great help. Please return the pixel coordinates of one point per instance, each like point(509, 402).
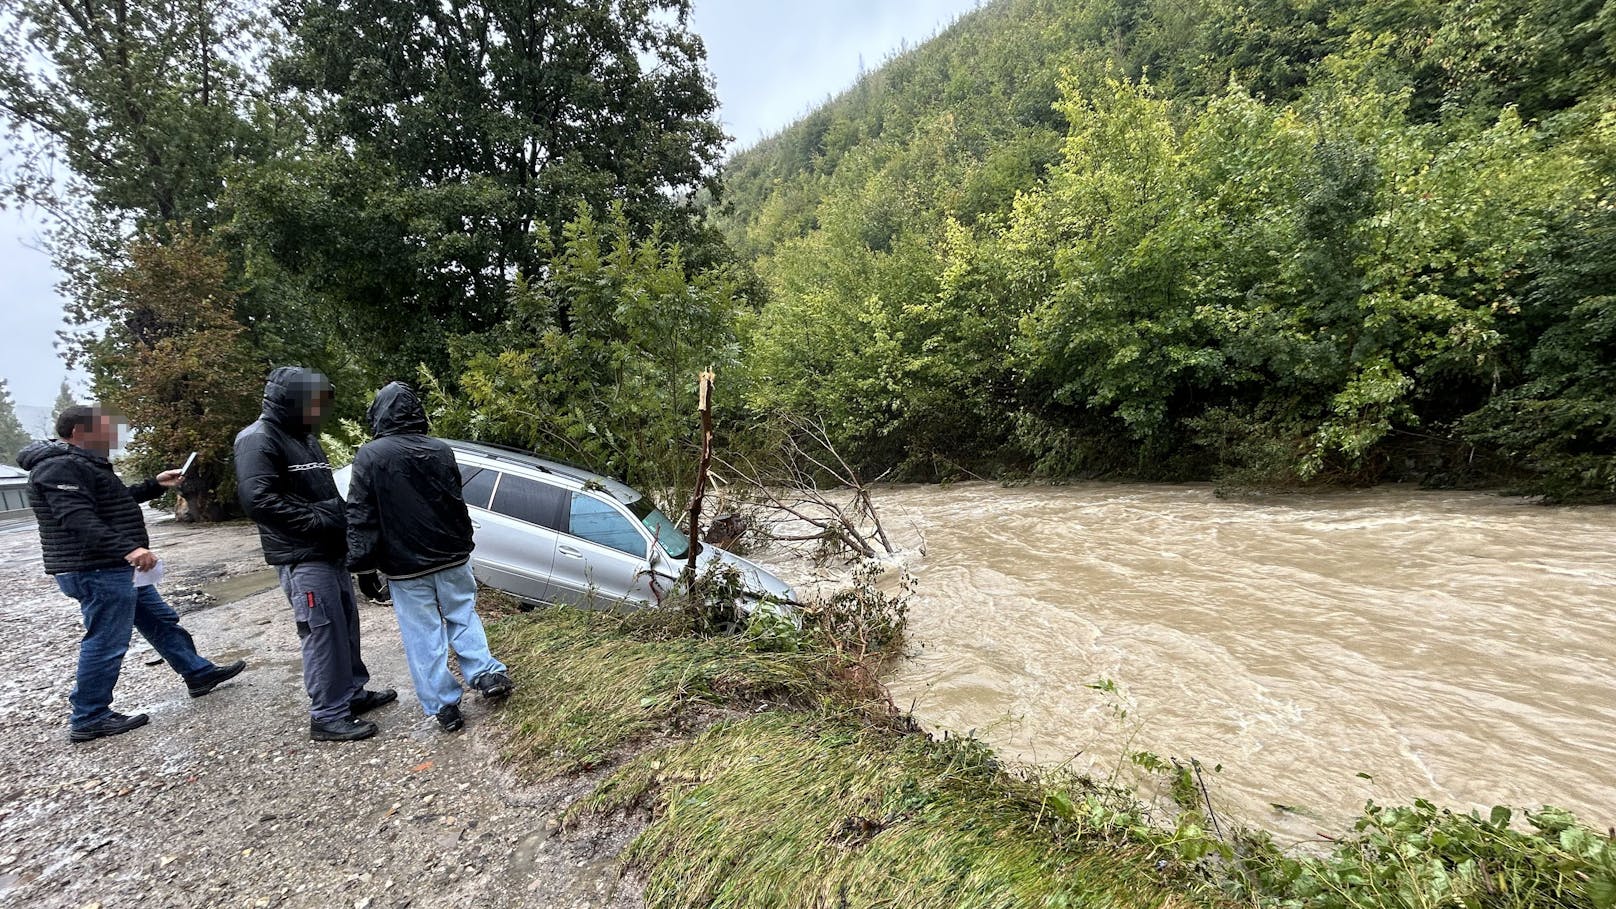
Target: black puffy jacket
point(88, 518)
point(284, 480)
point(406, 514)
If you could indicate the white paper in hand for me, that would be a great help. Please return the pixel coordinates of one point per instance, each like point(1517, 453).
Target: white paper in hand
point(149, 578)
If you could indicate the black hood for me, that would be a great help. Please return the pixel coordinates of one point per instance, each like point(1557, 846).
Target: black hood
point(39, 452)
point(396, 411)
point(285, 393)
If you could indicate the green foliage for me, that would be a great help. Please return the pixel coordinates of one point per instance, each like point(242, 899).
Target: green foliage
point(600, 359)
point(144, 102)
point(1561, 422)
point(437, 139)
point(122, 121)
point(1280, 242)
point(1421, 856)
point(64, 400)
point(341, 442)
point(173, 360)
point(13, 438)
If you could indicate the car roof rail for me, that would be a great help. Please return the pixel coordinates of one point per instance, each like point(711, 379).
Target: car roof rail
point(531, 460)
point(496, 455)
point(529, 453)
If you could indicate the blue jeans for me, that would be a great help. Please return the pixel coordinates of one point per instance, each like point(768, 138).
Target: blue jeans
point(112, 606)
point(436, 611)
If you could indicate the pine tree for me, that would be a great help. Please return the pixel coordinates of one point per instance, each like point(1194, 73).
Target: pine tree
point(12, 435)
point(64, 400)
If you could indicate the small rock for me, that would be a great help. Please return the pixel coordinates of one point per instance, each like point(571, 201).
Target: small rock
point(362, 903)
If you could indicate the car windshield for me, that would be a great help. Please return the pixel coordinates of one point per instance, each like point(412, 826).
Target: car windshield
point(662, 527)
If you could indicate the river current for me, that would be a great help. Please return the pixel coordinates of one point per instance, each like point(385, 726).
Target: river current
point(1459, 647)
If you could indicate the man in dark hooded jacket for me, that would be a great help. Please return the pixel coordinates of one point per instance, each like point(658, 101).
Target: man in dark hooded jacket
point(285, 484)
point(94, 539)
point(407, 517)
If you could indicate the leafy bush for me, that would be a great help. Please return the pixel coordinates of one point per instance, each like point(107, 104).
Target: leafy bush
point(599, 363)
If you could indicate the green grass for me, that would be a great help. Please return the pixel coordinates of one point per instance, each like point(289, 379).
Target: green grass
point(817, 799)
point(588, 684)
point(794, 809)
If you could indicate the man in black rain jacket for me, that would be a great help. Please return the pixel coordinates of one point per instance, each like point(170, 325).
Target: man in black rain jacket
point(285, 484)
point(94, 539)
point(407, 517)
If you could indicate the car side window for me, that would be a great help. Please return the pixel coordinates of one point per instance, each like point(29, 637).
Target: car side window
point(530, 501)
point(477, 485)
point(598, 522)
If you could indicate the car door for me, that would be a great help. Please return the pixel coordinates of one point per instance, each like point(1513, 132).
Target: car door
point(602, 558)
point(516, 536)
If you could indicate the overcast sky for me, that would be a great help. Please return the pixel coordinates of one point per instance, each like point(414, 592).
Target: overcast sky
point(773, 60)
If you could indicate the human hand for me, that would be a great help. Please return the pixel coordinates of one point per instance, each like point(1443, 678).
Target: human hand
point(169, 479)
point(141, 559)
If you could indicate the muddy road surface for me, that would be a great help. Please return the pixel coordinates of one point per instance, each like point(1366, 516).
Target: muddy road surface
point(224, 801)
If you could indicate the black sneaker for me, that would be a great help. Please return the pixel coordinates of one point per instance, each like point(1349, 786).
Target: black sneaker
point(450, 719)
point(494, 684)
point(212, 678)
point(113, 724)
point(370, 700)
point(347, 729)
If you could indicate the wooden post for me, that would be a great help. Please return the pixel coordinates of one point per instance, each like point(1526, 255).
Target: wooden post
point(705, 408)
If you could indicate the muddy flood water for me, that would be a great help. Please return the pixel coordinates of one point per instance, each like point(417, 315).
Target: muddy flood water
point(1458, 647)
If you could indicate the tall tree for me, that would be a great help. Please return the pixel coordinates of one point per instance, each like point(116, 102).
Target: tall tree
point(178, 365)
point(144, 101)
point(64, 400)
point(12, 436)
point(453, 131)
point(123, 117)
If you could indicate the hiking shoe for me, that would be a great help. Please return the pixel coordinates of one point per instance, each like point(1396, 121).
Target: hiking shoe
point(450, 719)
point(114, 724)
point(347, 729)
point(370, 700)
point(494, 684)
point(212, 678)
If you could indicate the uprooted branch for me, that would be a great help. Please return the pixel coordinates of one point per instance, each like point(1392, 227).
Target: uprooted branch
point(817, 495)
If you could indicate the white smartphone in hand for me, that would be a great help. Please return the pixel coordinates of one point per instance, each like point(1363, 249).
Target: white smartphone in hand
point(186, 470)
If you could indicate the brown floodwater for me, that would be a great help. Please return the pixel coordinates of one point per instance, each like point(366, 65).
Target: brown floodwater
point(1459, 647)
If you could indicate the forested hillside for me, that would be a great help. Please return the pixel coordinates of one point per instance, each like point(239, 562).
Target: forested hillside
point(1277, 241)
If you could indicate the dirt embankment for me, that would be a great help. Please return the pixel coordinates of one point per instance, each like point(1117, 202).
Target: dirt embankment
point(224, 801)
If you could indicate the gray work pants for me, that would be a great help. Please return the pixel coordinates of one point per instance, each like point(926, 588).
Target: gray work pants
point(327, 616)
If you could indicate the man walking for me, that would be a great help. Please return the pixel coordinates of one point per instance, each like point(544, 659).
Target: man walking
point(94, 539)
point(285, 484)
point(407, 517)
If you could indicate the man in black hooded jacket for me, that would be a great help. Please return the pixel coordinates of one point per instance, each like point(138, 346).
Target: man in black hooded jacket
point(407, 517)
point(285, 484)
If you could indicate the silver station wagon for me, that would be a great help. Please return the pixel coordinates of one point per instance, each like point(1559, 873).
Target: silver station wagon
point(547, 532)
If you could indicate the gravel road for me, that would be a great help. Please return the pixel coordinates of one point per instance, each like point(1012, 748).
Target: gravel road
point(224, 801)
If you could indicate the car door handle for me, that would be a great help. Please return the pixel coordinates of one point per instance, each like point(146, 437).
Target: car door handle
point(476, 526)
point(569, 552)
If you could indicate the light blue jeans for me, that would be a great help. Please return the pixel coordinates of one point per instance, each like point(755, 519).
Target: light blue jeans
point(437, 611)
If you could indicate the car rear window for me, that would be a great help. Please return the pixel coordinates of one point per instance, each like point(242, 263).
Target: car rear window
point(598, 522)
point(530, 501)
point(477, 484)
